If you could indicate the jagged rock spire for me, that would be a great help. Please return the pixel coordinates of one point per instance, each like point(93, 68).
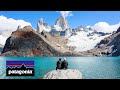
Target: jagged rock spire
point(62, 22)
point(40, 26)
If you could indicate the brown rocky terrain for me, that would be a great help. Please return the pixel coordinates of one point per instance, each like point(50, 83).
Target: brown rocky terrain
point(27, 42)
point(58, 42)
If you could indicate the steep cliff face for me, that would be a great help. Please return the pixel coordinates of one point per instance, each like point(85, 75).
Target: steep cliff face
point(61, 27)
point(62, 22)
point(26, 42)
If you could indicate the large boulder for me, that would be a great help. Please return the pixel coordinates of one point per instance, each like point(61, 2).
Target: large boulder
point(63, 74)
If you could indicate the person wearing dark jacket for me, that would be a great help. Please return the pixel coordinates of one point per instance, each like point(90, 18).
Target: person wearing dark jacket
point(59, 64)
point(65, 64)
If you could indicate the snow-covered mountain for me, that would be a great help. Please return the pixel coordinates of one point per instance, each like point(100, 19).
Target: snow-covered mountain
point(85, 38)
point(68, 32)
point(62, 22)
point(42, 26)
point(61, 27)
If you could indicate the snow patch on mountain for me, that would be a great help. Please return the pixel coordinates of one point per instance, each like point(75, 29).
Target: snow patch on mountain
point(83, 42)
point(57, 28)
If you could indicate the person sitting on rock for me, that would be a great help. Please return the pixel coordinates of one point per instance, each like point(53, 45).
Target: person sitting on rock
point(64, 64)
point(59, 64)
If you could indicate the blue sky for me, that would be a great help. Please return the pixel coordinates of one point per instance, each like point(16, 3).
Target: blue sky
point(79, 17)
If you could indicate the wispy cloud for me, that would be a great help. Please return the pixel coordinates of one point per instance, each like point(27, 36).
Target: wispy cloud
point(66, 13)
point(105, 27)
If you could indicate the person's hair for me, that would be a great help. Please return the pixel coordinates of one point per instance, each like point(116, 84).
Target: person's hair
point(59, 58)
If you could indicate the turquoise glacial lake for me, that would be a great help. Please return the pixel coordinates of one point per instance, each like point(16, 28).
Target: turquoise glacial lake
point(90, 67)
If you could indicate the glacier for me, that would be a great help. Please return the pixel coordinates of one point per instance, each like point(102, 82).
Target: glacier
point(83, 42)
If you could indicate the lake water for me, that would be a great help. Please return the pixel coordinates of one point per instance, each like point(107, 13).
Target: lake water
point(90, 67)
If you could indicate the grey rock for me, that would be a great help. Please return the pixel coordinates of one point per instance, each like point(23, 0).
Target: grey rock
point(118, 30)
point(63, 74)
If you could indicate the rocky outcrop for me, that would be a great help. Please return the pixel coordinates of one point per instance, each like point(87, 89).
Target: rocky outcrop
point(54, 32)
point(19, 27)
point(63, 74)
point(61, 27)
point(27, 42)
point(42, 26)
point(62, 22)
point(118, 30)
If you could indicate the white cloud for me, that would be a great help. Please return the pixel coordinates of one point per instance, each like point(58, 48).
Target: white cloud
point(66, 13)
point(2, 40)
point(7, 25)
point(105, 27)
point(11, 24)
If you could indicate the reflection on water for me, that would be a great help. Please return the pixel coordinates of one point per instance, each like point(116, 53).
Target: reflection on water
point(91, 67)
